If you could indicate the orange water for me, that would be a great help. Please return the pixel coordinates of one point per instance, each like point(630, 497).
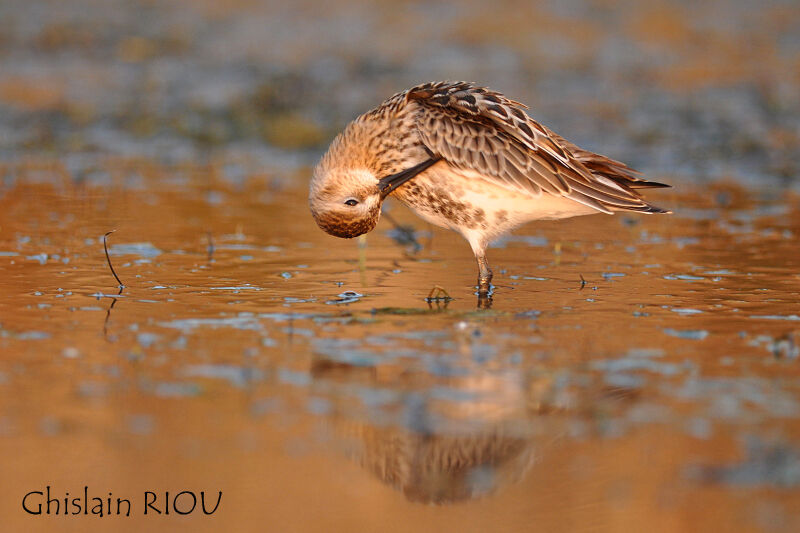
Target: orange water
point(308, 379)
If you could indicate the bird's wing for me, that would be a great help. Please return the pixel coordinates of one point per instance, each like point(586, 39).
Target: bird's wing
point(474, 128)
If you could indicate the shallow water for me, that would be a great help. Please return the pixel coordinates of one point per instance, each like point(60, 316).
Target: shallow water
point(309, 379)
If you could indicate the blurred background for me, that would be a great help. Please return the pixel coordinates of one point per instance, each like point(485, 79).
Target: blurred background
point(703, 90)
point(633, 374)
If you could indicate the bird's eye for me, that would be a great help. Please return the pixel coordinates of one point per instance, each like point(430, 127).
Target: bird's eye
point(351, 202)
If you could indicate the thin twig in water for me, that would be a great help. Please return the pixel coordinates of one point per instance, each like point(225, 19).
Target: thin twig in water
point(105, 247)
point(108, 314)
point(119, 282)
point(438, 294)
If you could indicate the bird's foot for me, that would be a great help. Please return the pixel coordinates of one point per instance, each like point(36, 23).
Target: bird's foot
point(485, 287)
point(485, 292)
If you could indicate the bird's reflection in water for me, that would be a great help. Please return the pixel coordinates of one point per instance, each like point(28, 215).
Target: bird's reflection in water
point(439, 468)
point(437, 439)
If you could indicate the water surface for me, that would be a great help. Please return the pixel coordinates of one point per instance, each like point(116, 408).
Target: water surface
point(633, 372)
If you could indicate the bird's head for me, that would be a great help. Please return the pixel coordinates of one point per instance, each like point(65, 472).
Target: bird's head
point(345, 202)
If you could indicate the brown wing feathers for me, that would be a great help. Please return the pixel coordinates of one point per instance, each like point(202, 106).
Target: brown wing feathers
point(478, 129)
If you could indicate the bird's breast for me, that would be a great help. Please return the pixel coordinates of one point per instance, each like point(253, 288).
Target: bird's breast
point(443, 200)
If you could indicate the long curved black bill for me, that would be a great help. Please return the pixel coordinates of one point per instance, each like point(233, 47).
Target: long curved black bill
point(390, 183)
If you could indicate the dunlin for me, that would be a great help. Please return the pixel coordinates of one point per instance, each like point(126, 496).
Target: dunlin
point(467, 158)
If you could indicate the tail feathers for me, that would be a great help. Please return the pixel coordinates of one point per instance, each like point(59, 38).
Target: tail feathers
point(658, 210)
point(618, 172)
point(644, 184)
point(609, 168)
point(648, 209)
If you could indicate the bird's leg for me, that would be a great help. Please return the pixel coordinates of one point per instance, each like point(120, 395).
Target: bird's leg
point(484, 276)
point(478, 245)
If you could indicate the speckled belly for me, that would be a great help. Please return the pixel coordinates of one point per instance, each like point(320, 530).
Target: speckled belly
point(443, 200)
point(469, 204)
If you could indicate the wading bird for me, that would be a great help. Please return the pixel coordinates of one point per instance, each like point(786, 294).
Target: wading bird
point(467, 158)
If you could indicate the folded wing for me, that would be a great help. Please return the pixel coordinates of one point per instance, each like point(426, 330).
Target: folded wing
point(474, 128)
